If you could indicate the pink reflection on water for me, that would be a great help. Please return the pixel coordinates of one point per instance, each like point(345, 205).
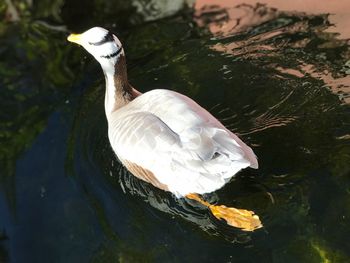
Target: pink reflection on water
point(226, 18)
point(339, 86)
point(339, 11)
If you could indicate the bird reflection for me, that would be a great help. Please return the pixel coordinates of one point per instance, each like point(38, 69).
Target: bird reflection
point(187, 209)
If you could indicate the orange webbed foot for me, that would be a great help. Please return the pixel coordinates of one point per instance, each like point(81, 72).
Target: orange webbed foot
point(240, 218)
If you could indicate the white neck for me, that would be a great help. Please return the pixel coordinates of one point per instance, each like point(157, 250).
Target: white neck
point(110, 95)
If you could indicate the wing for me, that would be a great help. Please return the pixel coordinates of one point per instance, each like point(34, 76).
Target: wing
point(199, 159)
point(183, 115)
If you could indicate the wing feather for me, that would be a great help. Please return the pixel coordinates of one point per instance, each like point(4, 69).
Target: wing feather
point(181, 144)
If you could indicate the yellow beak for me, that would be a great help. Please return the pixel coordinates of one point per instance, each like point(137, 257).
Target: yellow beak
point(75, 38)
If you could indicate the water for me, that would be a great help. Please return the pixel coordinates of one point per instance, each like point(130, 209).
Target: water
point(275, 73)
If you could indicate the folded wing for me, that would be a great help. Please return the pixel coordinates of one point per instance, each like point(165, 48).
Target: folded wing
point(198, 159)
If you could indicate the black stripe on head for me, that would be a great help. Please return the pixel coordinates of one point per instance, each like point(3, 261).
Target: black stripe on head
point(108, 38)
point(113, 54)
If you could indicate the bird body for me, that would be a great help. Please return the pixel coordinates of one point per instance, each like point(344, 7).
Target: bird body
point(165, 138)
point(179, 142)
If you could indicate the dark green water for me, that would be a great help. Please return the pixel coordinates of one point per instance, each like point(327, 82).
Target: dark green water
point(278, 78)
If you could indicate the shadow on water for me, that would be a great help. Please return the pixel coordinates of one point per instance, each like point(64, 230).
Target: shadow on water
point(278, 78)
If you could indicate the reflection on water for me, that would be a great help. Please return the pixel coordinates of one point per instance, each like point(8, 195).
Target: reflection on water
point(263, 33)
point(277, 75)
point(337, 10)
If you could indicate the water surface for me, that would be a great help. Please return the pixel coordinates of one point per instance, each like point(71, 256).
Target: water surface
point(277, 74)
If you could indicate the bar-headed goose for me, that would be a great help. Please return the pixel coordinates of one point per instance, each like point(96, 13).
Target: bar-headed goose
point(165, 138)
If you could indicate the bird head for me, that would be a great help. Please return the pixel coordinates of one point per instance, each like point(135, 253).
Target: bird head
point(99, 42)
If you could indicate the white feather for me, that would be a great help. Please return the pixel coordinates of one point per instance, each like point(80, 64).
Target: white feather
point(184, 146)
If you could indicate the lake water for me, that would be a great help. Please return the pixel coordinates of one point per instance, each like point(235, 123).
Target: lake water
point(276, 73)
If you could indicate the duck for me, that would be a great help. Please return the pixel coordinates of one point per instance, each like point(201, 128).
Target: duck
point(165, 138)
